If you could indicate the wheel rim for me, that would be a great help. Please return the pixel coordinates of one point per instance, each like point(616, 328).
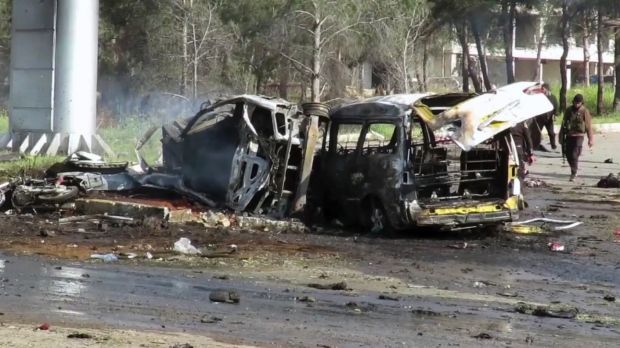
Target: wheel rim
point(377, 219)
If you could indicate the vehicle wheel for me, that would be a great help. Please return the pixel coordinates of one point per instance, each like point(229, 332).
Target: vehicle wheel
point(21, 198)
point(60, 195)
point(376, 219)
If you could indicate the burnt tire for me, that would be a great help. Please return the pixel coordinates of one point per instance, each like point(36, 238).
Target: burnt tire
point(376, 220)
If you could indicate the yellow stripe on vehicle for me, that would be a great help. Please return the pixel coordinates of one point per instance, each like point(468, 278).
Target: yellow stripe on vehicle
point(511, 203)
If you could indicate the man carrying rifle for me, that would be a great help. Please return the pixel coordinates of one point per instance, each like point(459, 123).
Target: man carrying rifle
point(576, 124)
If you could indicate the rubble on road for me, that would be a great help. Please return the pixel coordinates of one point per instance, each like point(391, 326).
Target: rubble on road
point(610, 181)
point(80, 335)
point(334, 286)
point(564, 224)
point(555, 246)
point(552, 311)
point(534, 183)
point(184, 246)
point(224, 296)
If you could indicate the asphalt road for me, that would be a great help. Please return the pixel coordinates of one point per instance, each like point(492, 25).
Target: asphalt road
point(435, 294)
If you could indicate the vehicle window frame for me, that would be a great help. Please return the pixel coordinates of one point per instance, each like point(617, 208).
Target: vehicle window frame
point(332, 144)
point(396, 132)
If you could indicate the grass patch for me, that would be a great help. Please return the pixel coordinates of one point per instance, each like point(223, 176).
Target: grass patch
point(4, 121)
point(123, 137)
point(590, 96)
point(33, 166)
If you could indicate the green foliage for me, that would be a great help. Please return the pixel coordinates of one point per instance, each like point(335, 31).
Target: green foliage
point(589, 96)
point(123, 137)
point(33, 166)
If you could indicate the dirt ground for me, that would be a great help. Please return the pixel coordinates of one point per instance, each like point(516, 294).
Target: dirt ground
point(424, 288)
point(26, 336)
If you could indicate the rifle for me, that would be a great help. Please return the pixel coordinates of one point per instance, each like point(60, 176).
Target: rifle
point(562, 139)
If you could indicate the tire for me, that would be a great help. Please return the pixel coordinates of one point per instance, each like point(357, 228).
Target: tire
point(22, 198)
point(375, 219)
point(60, 195)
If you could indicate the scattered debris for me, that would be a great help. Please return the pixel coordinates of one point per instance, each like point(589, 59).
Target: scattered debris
point(555, 246)
point(210, 319)
point(508, 294)
point(483, 336)
point(388, 298)
point(228, 252)
point(214, 219)
point(610, 298)
point(526, 229)
point(105, 257)
point(225, 296)
point(184, 246)
point(610, 181)
point(425, 312)
point(462, 245)
point(483, 283)
point(552, 311)
point(308, 299)
point(128, 256)
point(534, 183)
point(273, 225)
point(609, 160)
point(184, 345)
point(529, 340)
point(334, 286)
point(80, 335)
point(96, 218)
point(44, 327)
point(566, 224)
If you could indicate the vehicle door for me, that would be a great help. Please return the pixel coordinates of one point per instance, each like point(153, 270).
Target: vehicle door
point(381, 163)
point(341, 180)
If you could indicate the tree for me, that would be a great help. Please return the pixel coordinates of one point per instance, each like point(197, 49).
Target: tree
point(461, 16)
point(323, 23)
point(599, 49)
point(565, 34)
point(616, 104)
point(262, 33)
point(397, 39)
point(467, 63)
point(586, 19)
point(474, 21)
point(509, 14)
point(545, 8)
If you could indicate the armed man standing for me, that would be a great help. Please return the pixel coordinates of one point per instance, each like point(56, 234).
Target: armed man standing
point(576, 124)
point(543, 121)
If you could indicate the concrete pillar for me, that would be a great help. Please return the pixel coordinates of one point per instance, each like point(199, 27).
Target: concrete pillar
point(53, 79)
point(75, 85)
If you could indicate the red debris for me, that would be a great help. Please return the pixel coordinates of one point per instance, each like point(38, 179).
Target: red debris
point(44, 326)
point(555, 246)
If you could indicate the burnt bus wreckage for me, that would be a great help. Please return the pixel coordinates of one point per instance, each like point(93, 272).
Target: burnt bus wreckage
point(390, 162)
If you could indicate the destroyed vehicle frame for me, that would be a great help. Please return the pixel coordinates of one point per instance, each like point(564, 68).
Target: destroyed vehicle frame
point(245, 153)
point(388, 170)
